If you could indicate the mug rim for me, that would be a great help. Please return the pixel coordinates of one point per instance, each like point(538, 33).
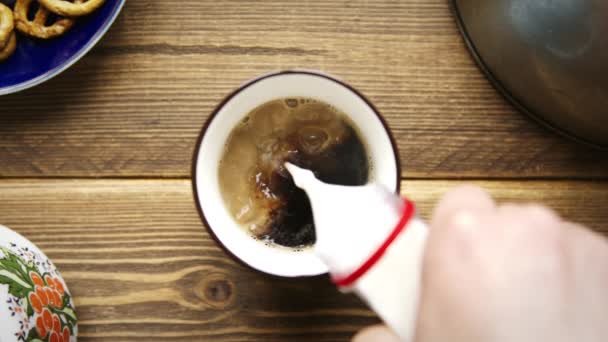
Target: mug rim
point(230, 96)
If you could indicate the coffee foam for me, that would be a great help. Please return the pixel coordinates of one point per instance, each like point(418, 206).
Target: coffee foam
point(255, 185)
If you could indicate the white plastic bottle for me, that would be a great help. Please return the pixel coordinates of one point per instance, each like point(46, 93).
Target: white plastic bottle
point(372, 244)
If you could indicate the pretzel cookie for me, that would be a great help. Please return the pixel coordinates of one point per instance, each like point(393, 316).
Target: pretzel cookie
point(71, 9)
point(37, 27)
point(9, 48)
point(6, 25)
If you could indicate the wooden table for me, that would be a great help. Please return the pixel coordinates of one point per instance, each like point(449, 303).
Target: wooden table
point(95, 164)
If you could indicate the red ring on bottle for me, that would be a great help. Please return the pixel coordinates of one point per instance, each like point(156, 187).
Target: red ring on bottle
point(408, 213)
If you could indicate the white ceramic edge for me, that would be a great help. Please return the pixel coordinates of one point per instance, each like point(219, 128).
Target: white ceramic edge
point(6, 230)
point(281, 261)
point(19, 239)
point(67, 64)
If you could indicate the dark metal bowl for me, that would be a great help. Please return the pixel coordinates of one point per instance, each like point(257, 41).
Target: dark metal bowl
point(548, 57)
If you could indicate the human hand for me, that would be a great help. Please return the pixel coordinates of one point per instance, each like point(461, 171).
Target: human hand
point(508, 273)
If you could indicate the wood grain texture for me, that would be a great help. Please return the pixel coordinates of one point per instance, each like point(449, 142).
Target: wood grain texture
point(142, 267)
point(134, 252)
point(134, 106)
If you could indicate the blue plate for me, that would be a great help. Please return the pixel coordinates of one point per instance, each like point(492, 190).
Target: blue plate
point(36, 61)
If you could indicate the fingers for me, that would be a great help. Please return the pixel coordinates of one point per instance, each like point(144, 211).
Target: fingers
point(455, 223)
point(376, 333)
point(527, 215)
point(459, 208)
point(586, 244)
point(459, 204)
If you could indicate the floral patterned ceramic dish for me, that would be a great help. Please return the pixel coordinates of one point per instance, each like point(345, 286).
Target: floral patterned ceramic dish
point(35, 304)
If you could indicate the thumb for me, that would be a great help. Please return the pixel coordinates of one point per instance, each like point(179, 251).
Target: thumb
point(376, 333)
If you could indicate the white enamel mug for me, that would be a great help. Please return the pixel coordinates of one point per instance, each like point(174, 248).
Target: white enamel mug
point(381, 149)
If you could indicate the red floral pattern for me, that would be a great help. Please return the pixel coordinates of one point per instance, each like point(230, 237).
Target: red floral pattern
point(42, 298)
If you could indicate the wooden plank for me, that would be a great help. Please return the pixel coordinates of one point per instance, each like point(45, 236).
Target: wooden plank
point(134, 106)
point(141, 266)
point(581, 202)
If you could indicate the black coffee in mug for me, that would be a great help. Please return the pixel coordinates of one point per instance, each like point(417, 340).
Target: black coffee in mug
point(257, 189)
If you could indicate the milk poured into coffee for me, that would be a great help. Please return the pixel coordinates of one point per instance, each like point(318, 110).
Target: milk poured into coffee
point(257, 189)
